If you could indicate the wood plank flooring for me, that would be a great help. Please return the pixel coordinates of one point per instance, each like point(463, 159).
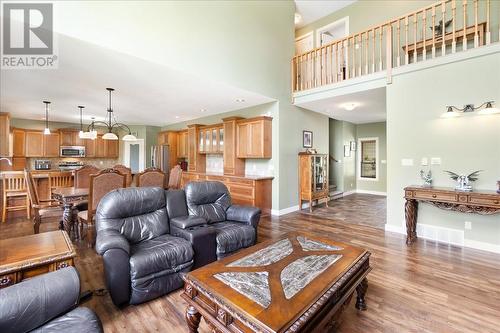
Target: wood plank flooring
point(428, 287)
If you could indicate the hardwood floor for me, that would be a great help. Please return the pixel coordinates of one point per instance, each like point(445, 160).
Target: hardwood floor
point(357, 208)
point(428, 287)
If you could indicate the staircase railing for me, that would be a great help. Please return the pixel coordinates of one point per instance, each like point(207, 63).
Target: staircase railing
point(442, 28)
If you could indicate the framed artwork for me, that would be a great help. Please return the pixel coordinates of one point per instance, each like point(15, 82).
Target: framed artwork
point(347, 151)
point(307, 139)
point(353, 145)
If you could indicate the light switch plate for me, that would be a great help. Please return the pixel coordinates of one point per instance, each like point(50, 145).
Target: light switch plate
point(424, 162)
point(436, 160)
point(407, 162)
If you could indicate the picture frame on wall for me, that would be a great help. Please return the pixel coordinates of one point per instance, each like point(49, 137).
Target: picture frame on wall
point(353, 145)
point(307, 139)
point(347, 150)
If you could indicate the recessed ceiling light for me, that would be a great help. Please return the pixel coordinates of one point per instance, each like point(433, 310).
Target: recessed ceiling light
point(298, 18)
point(203, 110)
point(349, 106)
point(240, 100)
point(177, 117)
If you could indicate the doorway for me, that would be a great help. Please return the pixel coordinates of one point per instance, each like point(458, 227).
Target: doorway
point(134, 155)
point(332, 32)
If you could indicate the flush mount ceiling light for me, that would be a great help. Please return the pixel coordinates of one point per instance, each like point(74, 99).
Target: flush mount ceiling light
point(112, 124)
point(487, 108)
point(297, 18)
point(46, 131)
point(349, 106)
point(240, 100)
point(203, 110)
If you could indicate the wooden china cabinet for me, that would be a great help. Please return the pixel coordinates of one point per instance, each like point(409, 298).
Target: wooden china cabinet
point(313, 178)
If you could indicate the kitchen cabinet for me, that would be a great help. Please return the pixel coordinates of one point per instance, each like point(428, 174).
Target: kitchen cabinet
point(182, 144)
point(34, 144)
point(4, 134)
point(112, 148)
point(100, 146)
point(51, 145)
point(170, 138)
point(18, 142)
point(210, 139)
point(70, 137)
point(90, 150)
point(232, 164)
point(196, 160)
point(254, 137)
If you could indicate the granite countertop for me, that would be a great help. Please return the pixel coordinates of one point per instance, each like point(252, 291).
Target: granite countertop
point(220, 174)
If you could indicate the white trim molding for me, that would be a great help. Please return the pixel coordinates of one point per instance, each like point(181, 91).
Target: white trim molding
point(372, 192)
point(343, 21)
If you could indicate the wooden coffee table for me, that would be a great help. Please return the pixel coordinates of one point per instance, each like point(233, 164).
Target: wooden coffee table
point(28, 256)
point(300, 283)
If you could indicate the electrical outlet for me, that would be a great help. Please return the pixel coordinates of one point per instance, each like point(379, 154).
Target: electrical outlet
point(468, 225)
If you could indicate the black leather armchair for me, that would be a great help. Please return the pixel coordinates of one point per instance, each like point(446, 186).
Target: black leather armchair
point(46, 303)
point(235, 226)
point(142, 260)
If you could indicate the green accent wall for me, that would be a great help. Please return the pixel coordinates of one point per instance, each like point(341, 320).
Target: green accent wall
point(415, 130)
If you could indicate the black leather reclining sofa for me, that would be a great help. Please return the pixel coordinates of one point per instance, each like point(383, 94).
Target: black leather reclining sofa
point(148, 237)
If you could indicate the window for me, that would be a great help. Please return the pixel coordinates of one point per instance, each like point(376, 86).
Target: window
point(368, 159)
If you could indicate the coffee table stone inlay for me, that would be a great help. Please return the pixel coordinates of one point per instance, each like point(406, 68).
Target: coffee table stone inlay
point(301, 272)
point(266, 256)
point(313, 245)
point(254, 285)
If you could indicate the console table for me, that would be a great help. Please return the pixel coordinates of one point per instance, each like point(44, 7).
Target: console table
point(479, 202)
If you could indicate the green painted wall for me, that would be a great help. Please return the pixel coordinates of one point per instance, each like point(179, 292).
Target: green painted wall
point(465, 144)
point(343, 172)
point(374, 130)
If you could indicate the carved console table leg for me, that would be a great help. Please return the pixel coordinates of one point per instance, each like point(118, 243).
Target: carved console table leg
point(411, 209)
point(68, 218)
point(193, 318)
point(361, 292)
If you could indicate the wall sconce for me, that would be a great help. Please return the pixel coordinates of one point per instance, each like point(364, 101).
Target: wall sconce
point(453, 111)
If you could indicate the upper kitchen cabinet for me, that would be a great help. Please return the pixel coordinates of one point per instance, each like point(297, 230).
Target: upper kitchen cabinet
point(254, 137)
point(70, 137)
point(34, 144)
point(182, 144)
point(4, 134)
point(211, 139)
point(51, 145)
point(18, 142)
point(112, 148)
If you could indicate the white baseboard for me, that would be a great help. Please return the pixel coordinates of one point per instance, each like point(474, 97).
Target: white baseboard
point(345, 194)
point(372, 192)
point(445, 236)
point(295, 208)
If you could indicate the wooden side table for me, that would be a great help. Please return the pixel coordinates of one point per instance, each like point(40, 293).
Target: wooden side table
point(24, 257)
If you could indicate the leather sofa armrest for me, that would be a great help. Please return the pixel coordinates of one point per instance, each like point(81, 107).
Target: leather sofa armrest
point(203, 241)
point(185, 222)
point(246, 214)
point(31, 303)
point(111, 239)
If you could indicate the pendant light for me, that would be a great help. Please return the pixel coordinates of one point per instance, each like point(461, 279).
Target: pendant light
point(46, 131)
point(82, 134)
point(110, 125)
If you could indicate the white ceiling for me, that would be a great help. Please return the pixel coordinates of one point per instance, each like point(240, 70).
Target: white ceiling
point(312, 10)
point(371, 106)
point(146, 93)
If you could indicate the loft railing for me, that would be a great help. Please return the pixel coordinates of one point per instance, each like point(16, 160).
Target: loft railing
point(411, 38)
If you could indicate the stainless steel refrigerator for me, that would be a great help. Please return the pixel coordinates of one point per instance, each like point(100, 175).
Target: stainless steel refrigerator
point(160, 158)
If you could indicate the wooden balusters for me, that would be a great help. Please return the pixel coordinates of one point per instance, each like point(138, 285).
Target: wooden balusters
point(354, 56)
point(388, 52)
point(488, 33)
point(464, 39)
point(373, 51)
point(453, 19)
point(433, 32)
point(336, 67)
point(380, 49)
point(366, 51)
point(424, 30)
point(398, 37)
point(415, 54)
point(443, 28)
point(407, 57)
point(476, 31)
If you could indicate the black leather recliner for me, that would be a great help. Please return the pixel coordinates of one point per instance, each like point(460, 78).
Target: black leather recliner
point(142, 260)
point(46, 303)
point(235, 226)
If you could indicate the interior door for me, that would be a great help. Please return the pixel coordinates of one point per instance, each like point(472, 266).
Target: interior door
point(304, 44)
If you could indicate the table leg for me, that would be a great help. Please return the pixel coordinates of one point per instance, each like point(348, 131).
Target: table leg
point(361, 292)
point(193, 318)
point(68, 218)
point(411, 210)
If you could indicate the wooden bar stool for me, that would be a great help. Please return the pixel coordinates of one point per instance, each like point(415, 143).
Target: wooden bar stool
point(14, 189)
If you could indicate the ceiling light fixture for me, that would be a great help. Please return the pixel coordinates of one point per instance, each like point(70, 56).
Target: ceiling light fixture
point(240, 100)
point(349, 106)
point(453, 111)
point(203, 110)
point(82, 134)
point(110, 125)
point(46, 131)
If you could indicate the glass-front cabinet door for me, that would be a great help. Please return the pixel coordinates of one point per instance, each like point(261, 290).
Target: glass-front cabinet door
point(201, 142)
point(214, 140)
point(319, 173)
point(208, 134)
point(221, 140)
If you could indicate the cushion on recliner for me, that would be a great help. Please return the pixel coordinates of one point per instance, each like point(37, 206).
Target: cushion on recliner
point(81, 320)
point(176, 203)
point(165, 253)
point(137, 213)
point(232, 236)
point(209, 200)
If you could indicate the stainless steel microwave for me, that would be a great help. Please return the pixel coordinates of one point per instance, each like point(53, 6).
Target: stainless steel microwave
point(72, 151)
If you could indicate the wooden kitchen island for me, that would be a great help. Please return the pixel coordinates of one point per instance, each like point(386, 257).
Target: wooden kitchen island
point(245, 190)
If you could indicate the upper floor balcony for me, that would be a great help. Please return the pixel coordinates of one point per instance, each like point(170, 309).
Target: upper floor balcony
point(444, 28)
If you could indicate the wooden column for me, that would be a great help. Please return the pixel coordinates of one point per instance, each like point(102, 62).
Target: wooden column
point(196, 161)
point(233, 166)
